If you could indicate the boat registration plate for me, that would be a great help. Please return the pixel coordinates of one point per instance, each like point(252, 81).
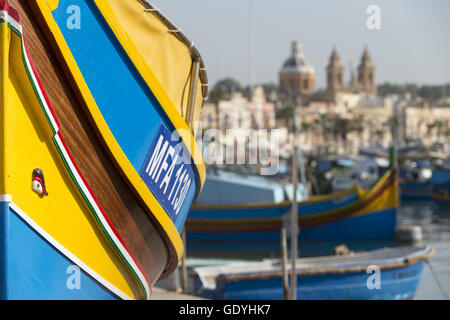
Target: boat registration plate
point(167, 172)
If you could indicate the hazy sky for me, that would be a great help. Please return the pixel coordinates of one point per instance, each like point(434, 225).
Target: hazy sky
point(413, 44)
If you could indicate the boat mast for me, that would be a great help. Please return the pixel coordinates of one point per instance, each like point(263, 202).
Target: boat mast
point(299, 154)
point(297, 159)
point(251, 48)
point(294, 222)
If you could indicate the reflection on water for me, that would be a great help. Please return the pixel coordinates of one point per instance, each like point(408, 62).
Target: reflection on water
point(435, 222)
point(434, 219)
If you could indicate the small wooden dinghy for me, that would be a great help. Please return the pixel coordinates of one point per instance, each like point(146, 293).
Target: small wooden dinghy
point(390, 273)
point(98, 163)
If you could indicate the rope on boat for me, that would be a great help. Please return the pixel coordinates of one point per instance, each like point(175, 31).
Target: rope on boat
point(151, 9)
point(172, 29)
point(190, 48)
point(437, 280)
point(318, 271)
point(205, 86)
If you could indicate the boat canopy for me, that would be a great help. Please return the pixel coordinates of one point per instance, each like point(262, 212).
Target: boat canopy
point(172, 57)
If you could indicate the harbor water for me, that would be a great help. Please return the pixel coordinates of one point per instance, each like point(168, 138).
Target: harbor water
point(435, 223)
point(433, 219)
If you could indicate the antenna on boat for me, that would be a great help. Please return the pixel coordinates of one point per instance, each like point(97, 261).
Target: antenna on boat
point(297, 157)
point(300, 158)
point(251, 48)
point(294, 222)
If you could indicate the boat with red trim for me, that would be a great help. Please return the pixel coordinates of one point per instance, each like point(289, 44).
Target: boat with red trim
point(98, 163)
point(353, 214)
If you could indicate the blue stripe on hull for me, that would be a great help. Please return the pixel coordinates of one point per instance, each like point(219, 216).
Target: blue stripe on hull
point(373, 226)
point(323, 206)
point(31, 268)
point(378, 225)
point(440, 177)
point(400, 283)
point(415, 191)
point(441, 187)
point(4, 217)
point(271, 212)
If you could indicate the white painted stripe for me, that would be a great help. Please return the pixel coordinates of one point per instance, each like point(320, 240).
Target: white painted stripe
point(41, 96)
point(67, 253)
point(5, 198)
point(5, 16)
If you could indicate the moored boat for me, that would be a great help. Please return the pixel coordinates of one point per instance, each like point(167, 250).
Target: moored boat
point(338, 173)
point(383, 274)
point(440, 184)
point(415, 170)
point(415, 177)
point(415, 191)
point(353, 214)
point(94, 119)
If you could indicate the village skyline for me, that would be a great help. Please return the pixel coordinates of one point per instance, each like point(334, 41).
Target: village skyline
point(409, 47)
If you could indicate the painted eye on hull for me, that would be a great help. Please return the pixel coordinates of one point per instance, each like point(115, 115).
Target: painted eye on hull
point(37, 183)
point(37, 187)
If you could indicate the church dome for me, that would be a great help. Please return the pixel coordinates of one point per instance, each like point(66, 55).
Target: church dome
point(297, 62)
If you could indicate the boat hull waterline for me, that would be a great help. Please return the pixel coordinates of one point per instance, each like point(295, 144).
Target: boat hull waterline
point(351, 215)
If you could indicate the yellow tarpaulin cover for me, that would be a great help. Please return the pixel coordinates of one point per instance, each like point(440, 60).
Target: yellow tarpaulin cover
point(168, 57)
